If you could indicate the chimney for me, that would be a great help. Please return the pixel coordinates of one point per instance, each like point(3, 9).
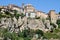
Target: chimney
point(22, 5)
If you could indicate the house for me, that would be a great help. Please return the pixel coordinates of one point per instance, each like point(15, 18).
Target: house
point(41, 14)
point(58, 16)
point(29, 11)
point(53, 16)
point(14, 7)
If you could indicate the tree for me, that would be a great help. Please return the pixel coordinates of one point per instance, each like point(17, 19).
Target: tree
point(2, 31)
point(20, 34)
point(22, 15)
point(7, 36)
point(28, 34)
point(25, 32)
point(12, 36)
point(59, 12)
point(15, 11)
point(39, 32)
point(17, 16)
point(8, 14)
point(58, 22)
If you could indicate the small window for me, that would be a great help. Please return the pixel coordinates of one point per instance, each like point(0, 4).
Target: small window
point(58, 16)
point(28, 14)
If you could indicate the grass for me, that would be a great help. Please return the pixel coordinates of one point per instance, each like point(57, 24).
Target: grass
point(52, 35)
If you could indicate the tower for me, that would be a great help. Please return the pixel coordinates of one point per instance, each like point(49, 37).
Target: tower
point(52, 15)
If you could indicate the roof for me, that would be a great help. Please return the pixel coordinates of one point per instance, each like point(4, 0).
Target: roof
point(14, 6)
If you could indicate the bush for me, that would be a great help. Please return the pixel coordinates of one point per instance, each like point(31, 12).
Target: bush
point(20, 34)
point(28, 34)
point(7, 35)
point(58, 21)
point(37, 18)
point(39, 32)
point(22, 15)
point(59, 12)
point(59, 26)
point(53, 25)
point(17, 15)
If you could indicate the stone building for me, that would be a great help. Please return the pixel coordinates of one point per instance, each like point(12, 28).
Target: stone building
point(53, 16)
point(41, 14)
point(29, 11)
point(29, 8)
point(14, 7)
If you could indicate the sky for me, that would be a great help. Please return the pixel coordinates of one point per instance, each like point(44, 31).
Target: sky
point(41, 5)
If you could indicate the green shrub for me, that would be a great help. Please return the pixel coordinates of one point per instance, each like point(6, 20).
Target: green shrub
point(58, 21)
point(37, 18)
point(59, 26)
point(39, 32)
point(22, 15)
point(53, 25)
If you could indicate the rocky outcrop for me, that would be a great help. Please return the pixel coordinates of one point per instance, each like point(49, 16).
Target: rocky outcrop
point(24, 23)
point(47, 24)
point(36, 24)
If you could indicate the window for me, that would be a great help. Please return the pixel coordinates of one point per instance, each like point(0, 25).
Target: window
point(58, 17)
point(32, 15)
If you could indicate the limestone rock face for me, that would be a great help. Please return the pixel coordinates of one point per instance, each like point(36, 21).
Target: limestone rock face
point(47, 24)
point(24, 23)
point(36, 24)
point(17, 19)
